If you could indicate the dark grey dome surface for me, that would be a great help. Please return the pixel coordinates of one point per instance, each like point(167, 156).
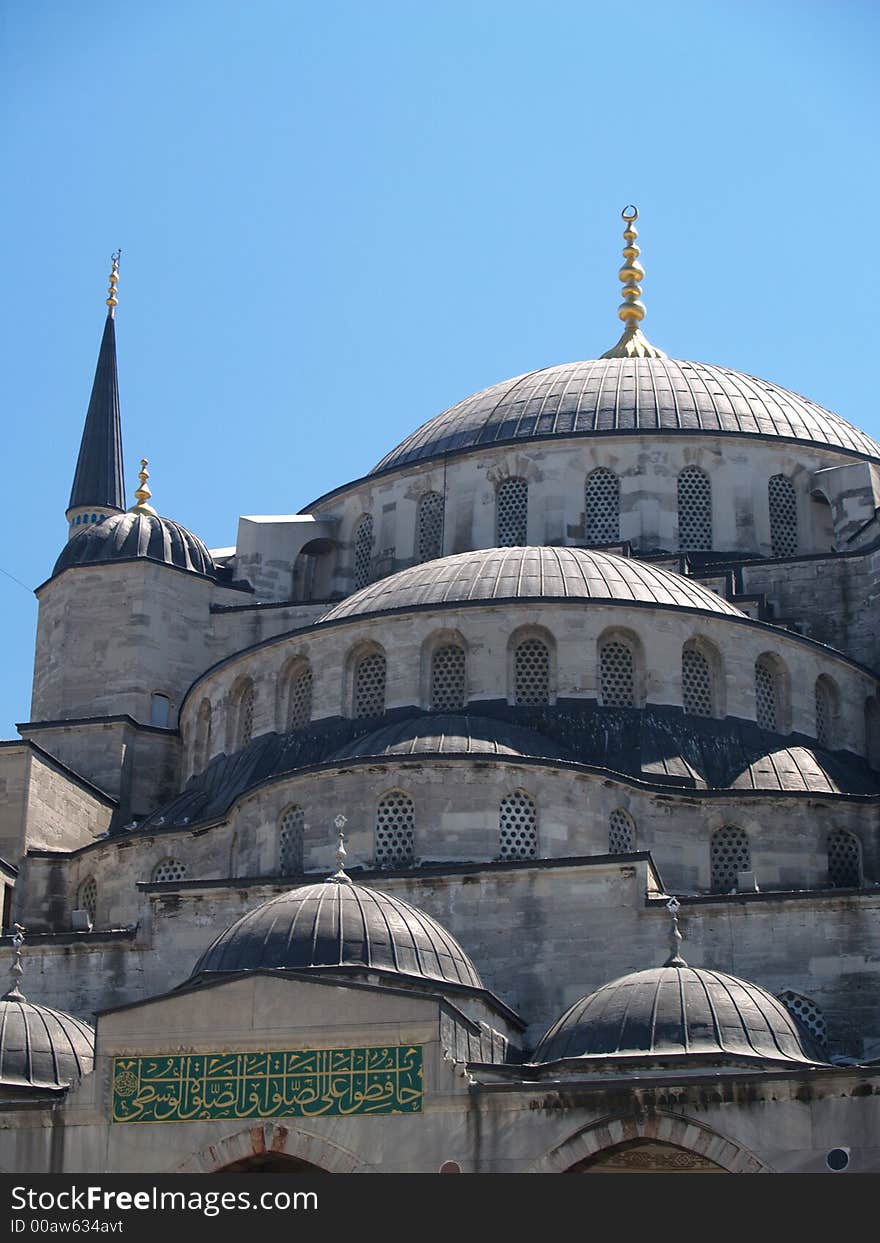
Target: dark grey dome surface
point(670, 1011)
point(42, 1048)
point(129, 536)
point(453, 735)
point(614, 395)
point(494, 574)
point(327, 925)
point(802, 768)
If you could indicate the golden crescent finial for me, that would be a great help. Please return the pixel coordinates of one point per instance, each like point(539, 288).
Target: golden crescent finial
point(114, 281)
point(633, 343)
point(143, 493)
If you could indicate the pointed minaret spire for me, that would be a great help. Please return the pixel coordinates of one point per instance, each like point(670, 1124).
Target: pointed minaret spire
point(98, 486)
point(633, 343)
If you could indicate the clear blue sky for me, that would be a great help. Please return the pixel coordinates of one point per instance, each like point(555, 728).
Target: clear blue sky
point(338, 218)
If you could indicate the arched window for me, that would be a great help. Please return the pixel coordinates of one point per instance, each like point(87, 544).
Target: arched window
point(395, 831)
point(87, 897)
point(621, 833)
point(602, 507)
point(160, 711)
point(448, 678)
point(531, 672)
point(694, 510)
point(783, 516)
point(202, 747)
point(825, 695)
point(807, 1013)
point(363, 551)
point(768, 693)
point(844, 860)
point(298, 687)
point(617, 683)
point(429, 533)
point(729, 855)
point(369, 686)
point(244, 715)
point(169, 869)
point(697, 696)
point(517, 827)
point(290, 841)
point(512, 510)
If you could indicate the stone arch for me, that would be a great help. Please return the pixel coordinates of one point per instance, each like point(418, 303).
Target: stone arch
point(365, 682)
point(619, 679)
point(271, 1138)
point(313, 570)
point(684, 1133)
point(701, 659)
point(531, 673)
point(772, 693)
point(240, 714)
point(443, 641)
point(293, 693)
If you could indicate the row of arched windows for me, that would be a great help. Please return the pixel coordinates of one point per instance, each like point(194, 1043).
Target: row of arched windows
point(730, 854)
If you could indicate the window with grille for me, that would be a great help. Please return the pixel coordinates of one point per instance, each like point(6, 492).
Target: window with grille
point(429, 541)
point(805, 1010)
point(290, 842)
point(766, 694)
point(696, 683)
point(245, 722)
point(617, 674)
point(512, 500)
point(87, 897)
point(517, 827)
point(369, 686)
point(395, 830)
point(621, 833)
point(694, 510)
point(824, 711)
point(729, 855)
point(169, 869)
point(299, 696)
point(531, 672)
point(783, 516)
point(844, 860)
point(602, 507)
point(447, 678)
point(202, 749)
point(363, 551)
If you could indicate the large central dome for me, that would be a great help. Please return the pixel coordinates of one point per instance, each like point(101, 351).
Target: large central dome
point(611, 396)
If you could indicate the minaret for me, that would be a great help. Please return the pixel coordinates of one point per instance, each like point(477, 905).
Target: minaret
point(98, 482)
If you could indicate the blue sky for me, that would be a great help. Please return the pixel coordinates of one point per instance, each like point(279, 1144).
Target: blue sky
point(339, 218)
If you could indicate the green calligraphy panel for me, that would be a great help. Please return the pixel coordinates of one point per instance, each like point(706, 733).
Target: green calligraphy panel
point(304, 1083)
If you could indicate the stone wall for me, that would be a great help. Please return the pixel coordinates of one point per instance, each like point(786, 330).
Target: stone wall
point(44, 807)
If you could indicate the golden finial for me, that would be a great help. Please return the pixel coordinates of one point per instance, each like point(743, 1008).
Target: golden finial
point(114, 281)
point(633, 343)
point(143, 493)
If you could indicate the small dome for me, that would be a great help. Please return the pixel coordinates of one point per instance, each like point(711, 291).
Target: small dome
point(617, 396)
point(328, 925)
point(42, 1048)
point(673, 1011)
point(452, 735)
point(803, 770)
point(496, 574)
point(128, 536)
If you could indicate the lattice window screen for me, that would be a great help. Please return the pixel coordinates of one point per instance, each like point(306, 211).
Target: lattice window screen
point(512, 500)
point(290, 841)
point(696, 683)
point(531, 672)
point(616, 674)
point(202, 749)
point(430, 527)
point(621, 833)
point(369, 686)
point(783, 516)
point(602, 507)
point(363, 552)
point(395, 831)
point(299, 697)
point(169, 869)
point(245, 716)
point(517, 827)
point(824, 712)
point(694, 510)
point(729, 855)
point(447, 678)
point(844, 860)
point(766, 695)
point(807, 1012)
point(87, 897)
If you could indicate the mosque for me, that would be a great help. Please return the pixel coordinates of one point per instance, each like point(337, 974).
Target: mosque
point(511, 808)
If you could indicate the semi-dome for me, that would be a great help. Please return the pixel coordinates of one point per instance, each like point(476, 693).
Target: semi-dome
point(677, 1010)
point(496, 574)
point(614, 396)
point(41, 1048)
point(332, 925)
point(453, 734)
point(133, 535)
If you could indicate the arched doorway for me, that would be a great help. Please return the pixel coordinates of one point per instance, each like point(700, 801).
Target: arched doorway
point(270, 1163)
point(646, 1156)
point(312, 571)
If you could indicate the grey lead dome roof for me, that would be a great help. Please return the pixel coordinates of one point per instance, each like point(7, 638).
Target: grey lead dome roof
point(129, 536)
point(614, 395)
point(453, 734)
point(42, 1048)
point(329, 925)
point(494, 574)
point(676, 1010)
